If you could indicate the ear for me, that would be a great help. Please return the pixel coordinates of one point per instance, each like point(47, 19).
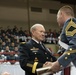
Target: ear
point(33, 32)
point(62, 13)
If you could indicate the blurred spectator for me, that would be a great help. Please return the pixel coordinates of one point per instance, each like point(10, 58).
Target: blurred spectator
point(21, 33)
point(25, 33)
point(28, 38)
point(15, 29)
point(15, 38)
point(3, 36)
point(2, 30)
point(12, 46)
point(55, 34)
point(0, 44)
point(6, 38)
point(16, 53)
point(16, 49)
point(51, 33)
point(2, 58)
point(8, 42)
point(11, 57)
point(8, 30)
point(12, 37)
point(17, 42)
point(3, 45)
point(6, 51)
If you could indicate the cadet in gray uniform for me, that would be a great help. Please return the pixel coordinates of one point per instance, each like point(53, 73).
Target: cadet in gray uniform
point(65, 19)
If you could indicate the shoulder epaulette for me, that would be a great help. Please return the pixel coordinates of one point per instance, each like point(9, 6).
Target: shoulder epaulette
point(71, 28)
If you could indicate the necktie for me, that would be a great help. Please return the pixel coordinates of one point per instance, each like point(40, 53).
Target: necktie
point(41, 45)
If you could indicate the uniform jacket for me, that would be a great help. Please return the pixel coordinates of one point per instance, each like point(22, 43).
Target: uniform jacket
point(32, 56)
point(68, 36)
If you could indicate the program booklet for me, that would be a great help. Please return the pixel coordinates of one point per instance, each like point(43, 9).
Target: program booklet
point(43, 71)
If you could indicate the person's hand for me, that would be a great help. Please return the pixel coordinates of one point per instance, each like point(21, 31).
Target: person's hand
point(46, 64)
point(55, 67)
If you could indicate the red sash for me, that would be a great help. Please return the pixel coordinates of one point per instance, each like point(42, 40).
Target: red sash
point(67, 71)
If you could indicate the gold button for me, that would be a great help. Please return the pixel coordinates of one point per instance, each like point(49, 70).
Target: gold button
point(70, 49)
point(35, 53)
point(47, 58)
point(35, 58)
point(68, 53)
point(66, 58)
point(61, 52)
point(45, 53)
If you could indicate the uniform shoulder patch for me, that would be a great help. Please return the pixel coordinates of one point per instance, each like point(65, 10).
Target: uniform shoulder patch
point(70, 30)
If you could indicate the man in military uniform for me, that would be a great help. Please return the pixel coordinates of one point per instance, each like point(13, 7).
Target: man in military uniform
point(65, 19)
point(34, 54)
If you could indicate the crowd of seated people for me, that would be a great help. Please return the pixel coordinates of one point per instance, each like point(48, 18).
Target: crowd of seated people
point(10, 40)
point(52, 37)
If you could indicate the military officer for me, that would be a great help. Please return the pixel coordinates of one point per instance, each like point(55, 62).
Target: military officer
point(34, 54)
point(65, 19)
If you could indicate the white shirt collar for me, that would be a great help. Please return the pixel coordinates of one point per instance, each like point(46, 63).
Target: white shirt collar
point(35, 40)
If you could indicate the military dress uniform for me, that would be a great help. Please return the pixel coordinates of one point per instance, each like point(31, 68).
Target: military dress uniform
point(33, 56)
point(68, 36)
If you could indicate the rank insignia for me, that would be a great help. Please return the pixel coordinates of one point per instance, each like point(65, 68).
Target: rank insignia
point(34, 48)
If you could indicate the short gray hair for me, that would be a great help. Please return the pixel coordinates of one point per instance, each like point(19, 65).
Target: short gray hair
point(68, 10)
point(34, 27)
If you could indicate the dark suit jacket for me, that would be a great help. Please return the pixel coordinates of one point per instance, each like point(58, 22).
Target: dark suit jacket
point(32, 56)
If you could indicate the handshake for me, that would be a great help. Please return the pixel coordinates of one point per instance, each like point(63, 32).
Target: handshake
point(54, 66)
point(49, 68)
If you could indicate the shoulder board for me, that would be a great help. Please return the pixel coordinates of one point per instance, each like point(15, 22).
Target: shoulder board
point(70, 30)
